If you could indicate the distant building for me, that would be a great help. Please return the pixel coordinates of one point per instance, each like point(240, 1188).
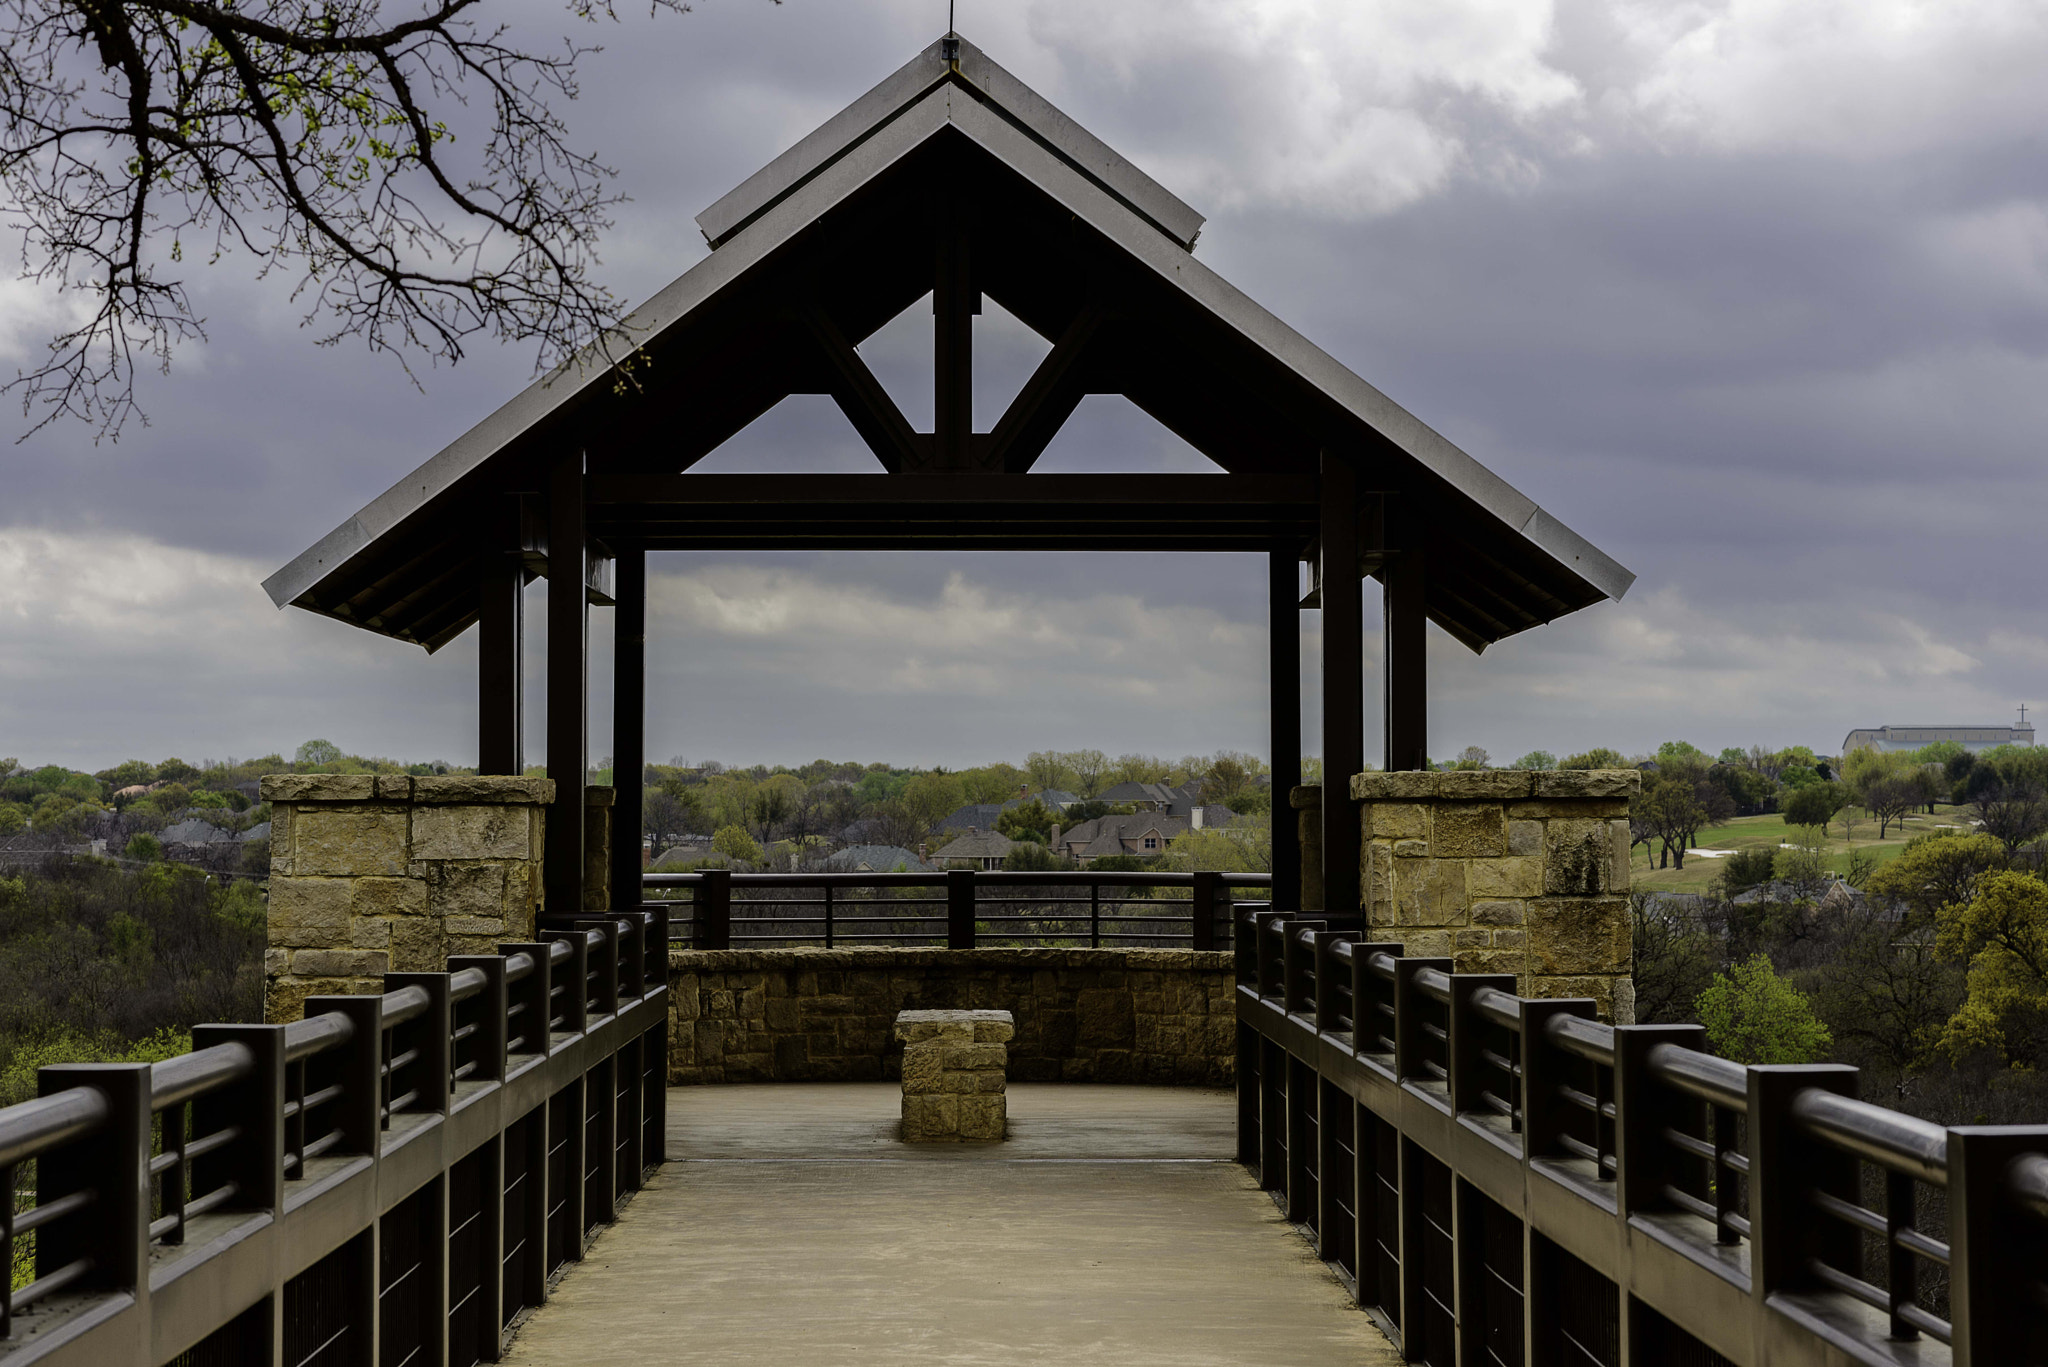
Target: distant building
point(1913, 737)
point(874, 859)
point(975, 850)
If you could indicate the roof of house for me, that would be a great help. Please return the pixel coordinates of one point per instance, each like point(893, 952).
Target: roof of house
point(1144, 792)
point(978, 816)
point(976, 845)
point(1105, 835)
point(193, 831)
point(874, 859)
point(1245, 388)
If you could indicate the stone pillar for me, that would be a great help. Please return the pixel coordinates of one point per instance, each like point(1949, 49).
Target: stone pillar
point(1308, 801)
point(954, 1074)
point(597, 847)
point(376, 874)
point(1506, 871)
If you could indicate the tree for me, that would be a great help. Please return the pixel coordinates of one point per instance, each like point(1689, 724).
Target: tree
point(1028, 856)
point(1140, 769)
point(1890, 797)
point(1672, 750)
point(1598, 758)
point(932, 797)
point(735, 844)
point(2002, 934)
point(1536, 759)
point(143, 847)
point(1676, 803)
point(1029, 821)
point(991, 783)
point(1747, 868)
point(1754, 1016)
point(1935, 871)
point(1673, 960)
point(666, 813)
point(322, 142)
point(1048, 769)
point(2012, 810)
point(1090, 769)
point(312, 753)
point(1814, 804)
point(1227, 778)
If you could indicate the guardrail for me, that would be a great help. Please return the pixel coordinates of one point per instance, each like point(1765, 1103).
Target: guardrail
point(957, 909)
point(391, 1179)
point(1506, 1180)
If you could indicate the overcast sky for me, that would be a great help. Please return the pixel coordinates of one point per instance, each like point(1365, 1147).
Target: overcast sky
point(1752, 294)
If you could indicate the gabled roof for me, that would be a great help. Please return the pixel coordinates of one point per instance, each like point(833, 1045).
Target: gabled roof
point(977, 845)
point(1077, 241)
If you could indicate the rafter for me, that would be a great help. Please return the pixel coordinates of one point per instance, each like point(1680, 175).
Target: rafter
point(1047, 399)
point(867, 405)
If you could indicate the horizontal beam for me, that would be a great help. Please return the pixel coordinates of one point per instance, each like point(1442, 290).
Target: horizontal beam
point(692, 539)
point(1076, 495)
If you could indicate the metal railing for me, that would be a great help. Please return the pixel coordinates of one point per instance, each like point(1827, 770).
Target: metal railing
point(957, 909)
point(390, 1179)
point(1507, 1180)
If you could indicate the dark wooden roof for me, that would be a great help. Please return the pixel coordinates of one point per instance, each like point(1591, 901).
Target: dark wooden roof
point(839, 235)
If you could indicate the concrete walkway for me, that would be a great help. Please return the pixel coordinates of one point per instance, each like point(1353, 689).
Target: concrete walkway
point(791, 1228)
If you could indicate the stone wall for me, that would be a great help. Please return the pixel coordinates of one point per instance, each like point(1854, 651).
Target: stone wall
point(828, 1015)
point(1505, 871)
point(375, 874)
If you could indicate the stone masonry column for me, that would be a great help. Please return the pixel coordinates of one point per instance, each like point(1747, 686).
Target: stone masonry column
point(372, 874)
point(597, 847)
point(1505, 871)
point(1308, 801)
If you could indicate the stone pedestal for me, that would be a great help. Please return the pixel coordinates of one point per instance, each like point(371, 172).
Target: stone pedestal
point(1505, 871)
point(597, 847)
point(953, 1074)
point(375, 874)
point(1308, 802)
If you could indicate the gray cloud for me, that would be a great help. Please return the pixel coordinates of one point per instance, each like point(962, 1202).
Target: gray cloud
point(1754, 296)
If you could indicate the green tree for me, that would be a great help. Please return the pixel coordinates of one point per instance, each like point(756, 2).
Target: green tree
point(1754, 1016)
point(1935, 871)
point(932, 797)
point(144, 847)
point(1028, 856)
point(735, 844)
point(315, 752)
point(1029, 821)
point(991, 783)
point(1681, 749)
point(1814, 805)
point(1536, 759)
point(2002, 934)
point(1600, 757)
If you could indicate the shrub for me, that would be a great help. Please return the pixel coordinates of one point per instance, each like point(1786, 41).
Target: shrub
point(1754, 1016)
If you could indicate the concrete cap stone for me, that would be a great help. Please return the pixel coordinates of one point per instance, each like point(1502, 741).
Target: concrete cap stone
point(1308, 797)
point(980, 1027)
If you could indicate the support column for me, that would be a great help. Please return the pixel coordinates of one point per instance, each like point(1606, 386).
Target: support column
point(629, 722)
point(568, 700)
point(1283, 617)
point(955, 301)
point(1343, 684)
point(501, 642)
point(1404, 580)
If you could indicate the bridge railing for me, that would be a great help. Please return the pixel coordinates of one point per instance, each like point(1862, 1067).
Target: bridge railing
point(1508, 1180)
point(391, 1178)
point(957, 909)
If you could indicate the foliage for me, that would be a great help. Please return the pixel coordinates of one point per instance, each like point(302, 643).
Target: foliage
point(1673, 959)
point(1029, 821)
point(1536, 759)
point(144, 847)
point(1243, 846)
point(2002, 933)
point(735, 844)
point(316, 752)
point(1754, 1016)
point(1598, 758)
point(1747, 868)
point(1681, 750)
point(1028, 856)
point(1935, 871)
point(1815, 804)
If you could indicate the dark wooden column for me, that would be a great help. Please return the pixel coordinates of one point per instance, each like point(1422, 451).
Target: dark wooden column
point(1403, 581)
point(1343, 684)
point(1283, 668)
point(629, 721)
point(568, 700)
point(955, 301)
point(500, 669)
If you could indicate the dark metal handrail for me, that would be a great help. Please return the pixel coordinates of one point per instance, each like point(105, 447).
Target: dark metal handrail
point(175, 1081)
point(34, 1127)
point(1891, 1139)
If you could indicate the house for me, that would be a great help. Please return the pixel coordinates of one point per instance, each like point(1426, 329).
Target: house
point(1144, 834)
point(1147, 797)
point(975, 850)
point(981, 816)
point(874, 859)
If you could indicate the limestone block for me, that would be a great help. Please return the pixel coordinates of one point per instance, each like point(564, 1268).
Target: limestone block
point(1378, 894)
point(467, 890)
point(973, 1082)
point(1553, 783)
point(1306, 798)
point(1399, 786)
point(968, 1056)
point(309, 912)
point(930, 1116)
point(1411, 849)
point(387, 897)
point(394, 788)
point(317, 788)
point(1510, 937)
point(1620, 862)
point(281, 840)
point(1472, 939)
point(1430, 892)
point(981, 1117)
point(994, 1029)
point(1600, 988)
point(1578, 935)
point(369, 932)
point(1510, 877)
point(276, 961)
point(1525, 837)
point(923, 1069)
point(1427, 944)
point(472, 926)
point(1465, 785)
point(356, 842)
point(339, 963)
point(1494, 960)
point(1625, 1001)
point(479, 832)
point(1575, 858)
point(1394, 821)
point(1574, 809)
point(1499, 913)
point(418, 945)
point(284, 999)
point(468, 790)
point(1469, 831)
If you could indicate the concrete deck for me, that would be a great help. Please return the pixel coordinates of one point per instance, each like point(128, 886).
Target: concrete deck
point(792, 1228)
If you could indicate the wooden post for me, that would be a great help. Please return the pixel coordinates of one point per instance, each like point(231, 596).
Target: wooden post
point(955, 301)
point(1403, 580)
point(1283, 669)
point(1343, 685)
point(629, 724)
point(501, 638)
point(568, 699)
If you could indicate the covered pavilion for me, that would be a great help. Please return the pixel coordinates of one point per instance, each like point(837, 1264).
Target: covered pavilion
point(951, 179)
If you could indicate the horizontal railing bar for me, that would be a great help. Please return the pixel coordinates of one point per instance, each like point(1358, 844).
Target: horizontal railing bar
point(1434, 983)
point(50, 1285)
point(304, 1038)
point(466, 983)
point(1381, 965)
point(404, 1004)
point(1848, 1212)
point(1502, 1008)
point(1056, 878)
point(1835, 1279)
point(44, 1122)
point(175, 1081)
point(1587, 1039)
point(1898, 1142)
point(38, 1216)
point(518, 966)
point(2029, 1181)
point(559, 951)
point(1707, 1076)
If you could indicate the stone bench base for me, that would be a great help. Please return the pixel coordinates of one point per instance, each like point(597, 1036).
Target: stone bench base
point(953, 1074)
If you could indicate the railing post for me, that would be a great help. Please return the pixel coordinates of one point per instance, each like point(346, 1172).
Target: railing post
point(1095, 916)
point(1202, 906)
point(359, 1061)
point(1468, 1032)
point(1408, 999)
point(435, 1030)
point(112, 1161)
point(606, 969)
point(1995, 1248)
point(1784, 1166)
point(1295, 956)
point(1644, 1162)
point(575, 980)
point(635, 938)
point(530, 995)
point(1545, 1113)
point(1326, 977)
point(960, 908)
point(493, 1005)
point(657, 942)
point(711, 926)
point(1365, 995)
point(828, 916)
point(255, 1162)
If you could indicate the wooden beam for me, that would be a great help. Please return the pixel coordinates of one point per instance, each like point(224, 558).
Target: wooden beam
point(1283, 670)
point(1080, 494)
point(629, 724)
point(865, 402)
point(568, 695)
point(1047, 399)
point(1405, 585)
point(1343, 685)
point(501, 639)
point(954, 304)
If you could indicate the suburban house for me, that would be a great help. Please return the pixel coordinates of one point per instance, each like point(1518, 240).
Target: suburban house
point(1143, 834)
point(1150, 797)
point(975, 850)
point(874, 859)
point(981, 816)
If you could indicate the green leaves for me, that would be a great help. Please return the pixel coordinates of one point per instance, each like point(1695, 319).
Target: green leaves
point(1754, 1016)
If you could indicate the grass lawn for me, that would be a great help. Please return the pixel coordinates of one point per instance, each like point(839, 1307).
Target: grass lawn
point(1745, 832)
